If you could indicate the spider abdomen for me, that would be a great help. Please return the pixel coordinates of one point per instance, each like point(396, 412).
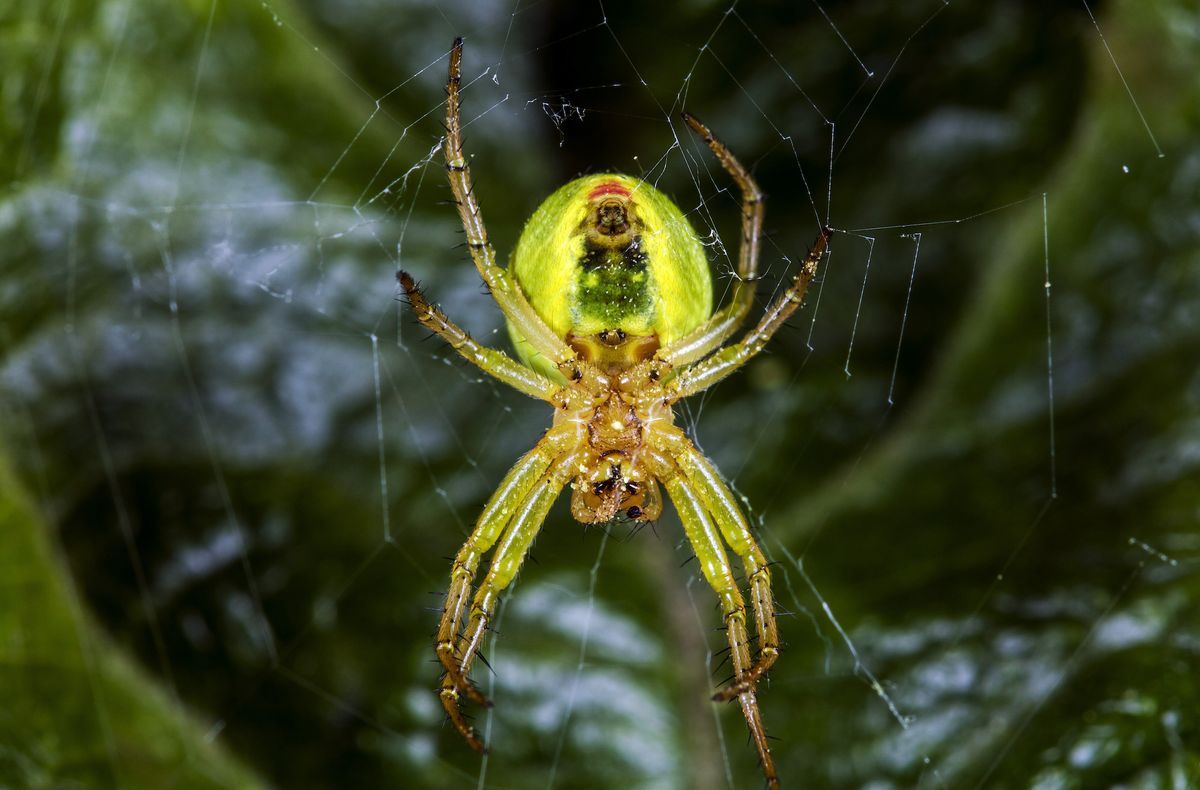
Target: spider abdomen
point(614, 268)
point(614, 292)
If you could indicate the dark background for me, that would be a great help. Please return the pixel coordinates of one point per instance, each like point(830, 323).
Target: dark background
point(205, 373)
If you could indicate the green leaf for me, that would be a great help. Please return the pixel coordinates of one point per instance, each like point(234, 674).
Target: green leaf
point(76, 713)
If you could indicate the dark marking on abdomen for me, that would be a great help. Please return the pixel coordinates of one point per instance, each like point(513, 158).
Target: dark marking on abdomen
point(614, 285)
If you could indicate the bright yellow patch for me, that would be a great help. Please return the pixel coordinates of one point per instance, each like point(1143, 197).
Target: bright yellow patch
point(547, 260)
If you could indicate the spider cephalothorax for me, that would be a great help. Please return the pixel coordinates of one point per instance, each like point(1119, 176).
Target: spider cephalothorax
point(614, 427)
point(609, 304)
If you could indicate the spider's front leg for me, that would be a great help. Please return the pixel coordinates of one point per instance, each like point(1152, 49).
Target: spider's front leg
point(719, 502)
point(706, 542)
point(518, 507)
point(496, 515)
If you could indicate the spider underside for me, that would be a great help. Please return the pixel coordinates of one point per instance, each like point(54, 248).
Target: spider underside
point(613, 437)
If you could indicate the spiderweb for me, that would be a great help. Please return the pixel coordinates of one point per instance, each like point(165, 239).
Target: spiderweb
point(257, 464)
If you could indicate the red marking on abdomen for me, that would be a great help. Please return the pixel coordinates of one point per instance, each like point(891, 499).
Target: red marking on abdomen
point(608, 188)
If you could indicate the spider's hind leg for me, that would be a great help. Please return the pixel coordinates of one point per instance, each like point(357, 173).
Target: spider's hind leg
point(500, 283)
point(725, 321)
point(489, 360)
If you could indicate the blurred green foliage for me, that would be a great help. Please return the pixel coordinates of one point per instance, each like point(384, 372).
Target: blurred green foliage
point(203, 210)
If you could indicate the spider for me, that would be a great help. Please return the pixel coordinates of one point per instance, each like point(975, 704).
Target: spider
point(608, 299)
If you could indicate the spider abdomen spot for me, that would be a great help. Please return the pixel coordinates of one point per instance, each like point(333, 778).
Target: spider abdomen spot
point(614, 292)
point(611, 254)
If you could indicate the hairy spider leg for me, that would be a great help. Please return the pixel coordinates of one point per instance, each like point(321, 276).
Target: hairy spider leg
point(719, 502)
point(723, 323)
point(714, 563)
point(712, 369)
point(500, 282)
point(510, 553)
point(496, 515)
point(489, 360)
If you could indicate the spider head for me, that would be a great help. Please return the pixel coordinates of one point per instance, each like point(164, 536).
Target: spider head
point(609, 257)
point(612, 485)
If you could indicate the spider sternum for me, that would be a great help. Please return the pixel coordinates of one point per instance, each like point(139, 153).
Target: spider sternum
point(616, 418)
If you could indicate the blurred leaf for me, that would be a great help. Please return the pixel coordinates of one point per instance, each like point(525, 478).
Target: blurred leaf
point(76, 713)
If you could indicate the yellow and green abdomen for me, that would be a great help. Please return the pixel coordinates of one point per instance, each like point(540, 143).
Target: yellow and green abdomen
point(610, 253)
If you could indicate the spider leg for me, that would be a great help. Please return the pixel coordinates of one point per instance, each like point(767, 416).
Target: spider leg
point(719, 502)
point(504, 288)
point(526, 520)
point(724, 322)
point(706, 542)
point(712, 369)
point(496, 515)
point(489, 360)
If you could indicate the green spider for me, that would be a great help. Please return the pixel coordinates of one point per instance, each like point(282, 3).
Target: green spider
point(609, 305)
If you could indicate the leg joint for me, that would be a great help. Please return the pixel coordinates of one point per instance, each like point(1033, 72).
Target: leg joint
point(761, 575)
point(738, 613)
